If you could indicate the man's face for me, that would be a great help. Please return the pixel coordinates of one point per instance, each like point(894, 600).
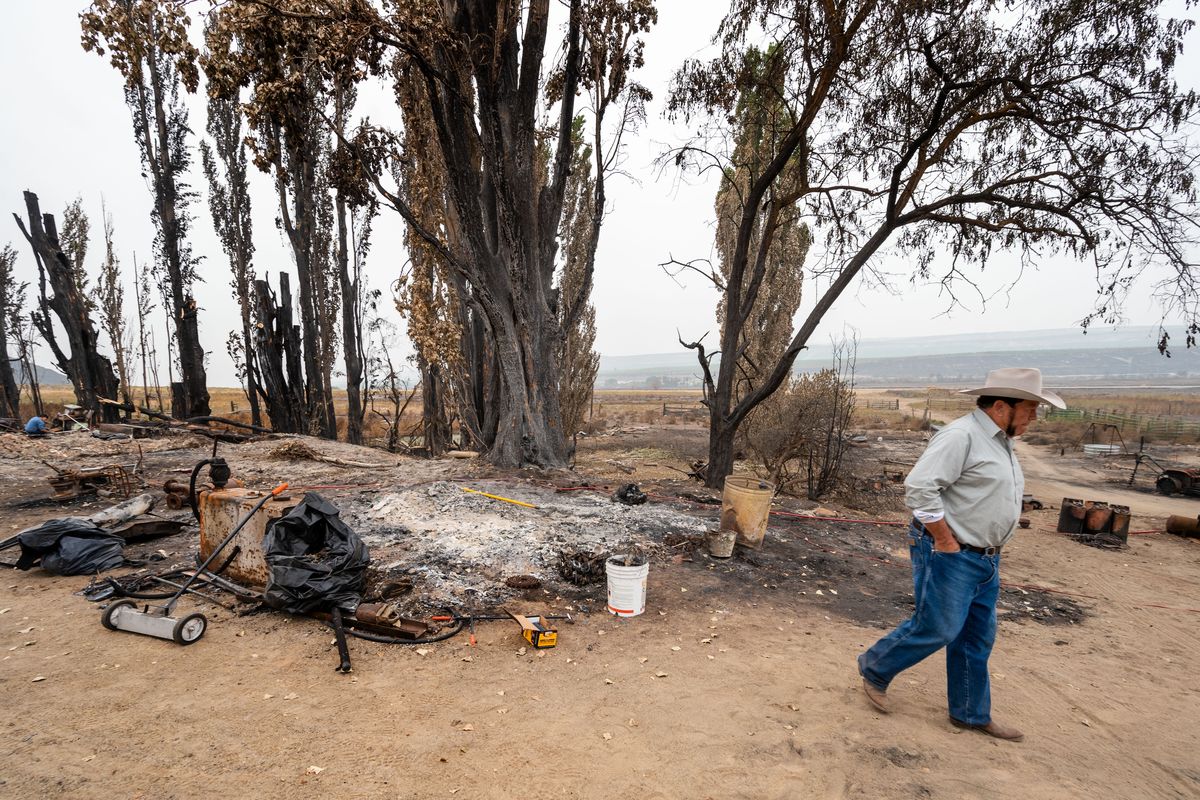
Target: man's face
point(1016, 416)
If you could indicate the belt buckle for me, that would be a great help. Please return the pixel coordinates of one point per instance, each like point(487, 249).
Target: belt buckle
point(990, 551)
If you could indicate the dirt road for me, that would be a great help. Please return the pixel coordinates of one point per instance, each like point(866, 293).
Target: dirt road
point(1052, 478)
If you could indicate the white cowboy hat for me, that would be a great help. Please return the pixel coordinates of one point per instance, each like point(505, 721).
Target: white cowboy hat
point(1019, 383)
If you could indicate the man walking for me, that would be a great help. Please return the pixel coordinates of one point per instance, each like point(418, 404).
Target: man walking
point(965, 494)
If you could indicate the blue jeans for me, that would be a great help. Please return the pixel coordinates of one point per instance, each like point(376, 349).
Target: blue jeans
point(955, 596)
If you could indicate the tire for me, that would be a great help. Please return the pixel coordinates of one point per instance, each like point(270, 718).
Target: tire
point(107, 618)
point(1168, 484)
point(189, 629)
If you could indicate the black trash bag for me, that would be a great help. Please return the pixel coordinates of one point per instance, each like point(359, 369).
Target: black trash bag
point(70, 546)
point(315, 560)
point(630, 495)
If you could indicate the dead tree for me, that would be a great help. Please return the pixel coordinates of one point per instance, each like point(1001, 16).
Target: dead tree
point(481, 66)
point(427, 295)
point(147, 351)
point(277, 343)
point(149, 46)
point(354, 232)
point(229, 202)
point(355, 208)
point(25, 333)
point(90, 373)
point(580, 363)
point(111, 308)
point(12, 299)
point(75, 236)
point(290, 139)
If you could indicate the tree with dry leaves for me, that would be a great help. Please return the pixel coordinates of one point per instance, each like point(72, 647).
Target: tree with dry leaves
point(146, 347)
point(75, 236)
point(287, 110)
point(438, 312)
point(60, 300)
point(224, 162)
point(111, 308)
point(355, 208)
point(762, 331)
point(485, 80)
point(147, 42)
point(12, 300)
point(946, 133)
point(578, 358)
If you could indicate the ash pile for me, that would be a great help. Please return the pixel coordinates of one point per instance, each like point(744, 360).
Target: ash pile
point(456, 545)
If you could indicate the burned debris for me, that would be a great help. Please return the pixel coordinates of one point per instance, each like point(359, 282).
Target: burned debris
point(1094, 522)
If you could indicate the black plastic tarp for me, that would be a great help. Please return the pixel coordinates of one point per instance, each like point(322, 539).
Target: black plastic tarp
point(70, 546)
point(315, 560)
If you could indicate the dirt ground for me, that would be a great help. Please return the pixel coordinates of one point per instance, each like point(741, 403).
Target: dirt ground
point(738, 681)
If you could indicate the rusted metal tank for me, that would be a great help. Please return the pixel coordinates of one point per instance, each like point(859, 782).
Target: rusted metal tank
point(1093, 518)
point(220, 510)
point(1184, 526)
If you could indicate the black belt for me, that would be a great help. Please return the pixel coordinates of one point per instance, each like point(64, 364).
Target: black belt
point(970, 548)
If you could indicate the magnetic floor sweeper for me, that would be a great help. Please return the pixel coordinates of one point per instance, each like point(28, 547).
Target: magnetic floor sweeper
point(123, 615)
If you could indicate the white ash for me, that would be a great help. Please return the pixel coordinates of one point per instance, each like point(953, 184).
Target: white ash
point(449, 540)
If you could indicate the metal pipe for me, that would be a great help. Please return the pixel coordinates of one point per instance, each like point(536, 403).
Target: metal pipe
point(201, 595)
point(339, 631)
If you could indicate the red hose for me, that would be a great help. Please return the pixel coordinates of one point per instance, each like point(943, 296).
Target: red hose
point(1027, 587)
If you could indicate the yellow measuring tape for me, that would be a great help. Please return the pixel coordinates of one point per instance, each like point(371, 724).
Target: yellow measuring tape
point(498, 497)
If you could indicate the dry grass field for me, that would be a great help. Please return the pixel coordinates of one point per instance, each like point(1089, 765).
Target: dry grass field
point(612, 408)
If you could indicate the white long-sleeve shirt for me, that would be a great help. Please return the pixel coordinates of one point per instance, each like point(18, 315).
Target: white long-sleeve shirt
point(969, 476)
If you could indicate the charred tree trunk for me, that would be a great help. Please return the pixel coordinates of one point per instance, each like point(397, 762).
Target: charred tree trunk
point(12, 394)
point(297, 177)
point(90, 373)
point(252, 388)
point(278, 349)
point(721, 451)
point(166, 163)
point(352, 346)
point(10, 298)
point(434, 418)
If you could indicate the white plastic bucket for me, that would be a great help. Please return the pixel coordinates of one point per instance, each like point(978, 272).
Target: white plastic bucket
point(626, 586)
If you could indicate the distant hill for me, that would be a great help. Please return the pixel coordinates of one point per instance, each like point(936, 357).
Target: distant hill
point(1066, 357)
point(45, 375)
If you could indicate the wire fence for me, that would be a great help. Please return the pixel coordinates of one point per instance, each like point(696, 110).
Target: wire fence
point(1157, 425)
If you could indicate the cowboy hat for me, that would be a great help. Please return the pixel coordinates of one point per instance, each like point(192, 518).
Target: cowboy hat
point(1018, 383)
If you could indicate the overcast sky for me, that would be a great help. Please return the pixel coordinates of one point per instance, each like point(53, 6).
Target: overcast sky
point(67, 133)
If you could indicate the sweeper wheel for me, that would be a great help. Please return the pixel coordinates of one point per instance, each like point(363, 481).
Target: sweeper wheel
point(189, 629)
point(107, 619)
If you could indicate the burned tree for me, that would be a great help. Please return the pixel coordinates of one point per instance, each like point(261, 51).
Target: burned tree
point(426, 296)
point(579, 361)
point(111, 307)
point(12, 301)
point(147, 42)
point(277, 345)
point(287, 115)
point(147, 351)
point(229, 202)
point(90, 373)
point(355, 209)
point(75, 237)
point(948, 133)
point(481, 65)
